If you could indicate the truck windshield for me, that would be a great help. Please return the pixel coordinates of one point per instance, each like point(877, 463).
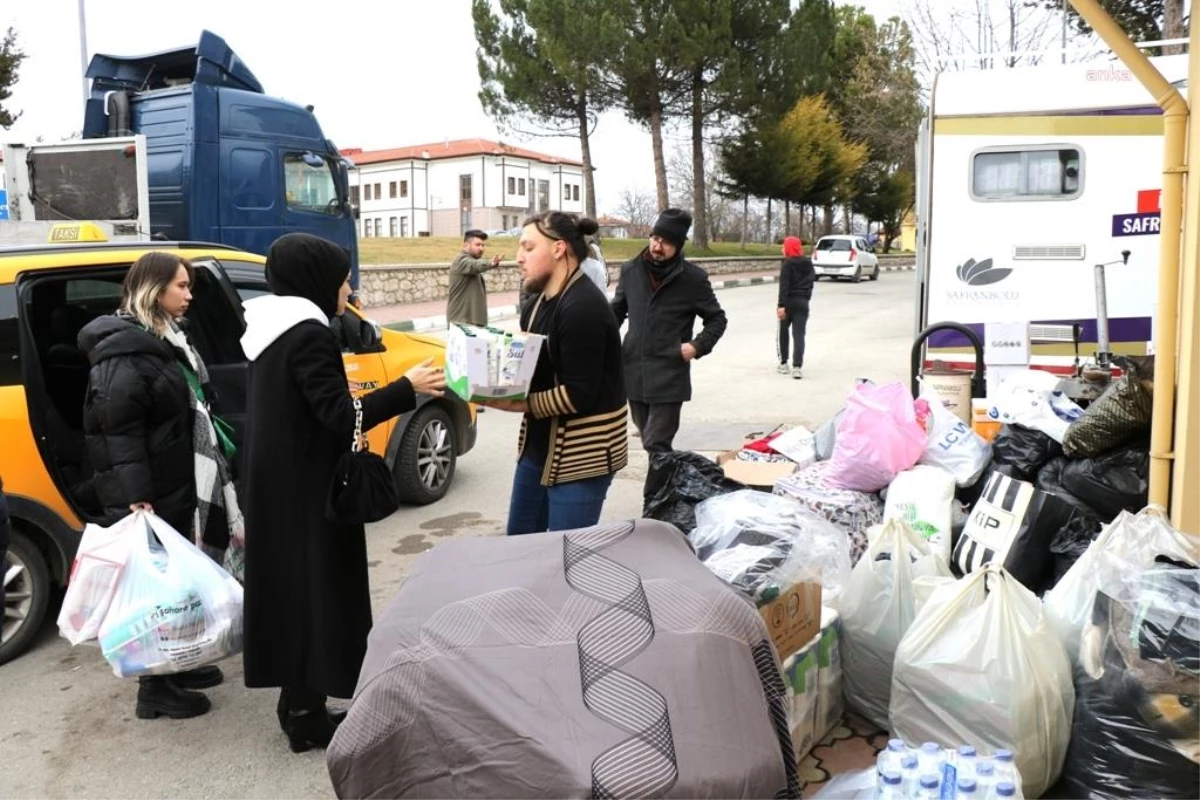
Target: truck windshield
point(310, 188)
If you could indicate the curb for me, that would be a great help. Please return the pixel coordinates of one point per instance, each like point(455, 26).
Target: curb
point(497, 313)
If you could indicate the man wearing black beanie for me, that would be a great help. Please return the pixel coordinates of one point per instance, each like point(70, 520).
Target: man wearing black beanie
point(661, 294)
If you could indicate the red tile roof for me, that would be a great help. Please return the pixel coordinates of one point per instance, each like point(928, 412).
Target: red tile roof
point(457, 148)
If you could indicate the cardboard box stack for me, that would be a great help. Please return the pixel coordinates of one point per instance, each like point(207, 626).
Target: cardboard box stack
point(814, 676)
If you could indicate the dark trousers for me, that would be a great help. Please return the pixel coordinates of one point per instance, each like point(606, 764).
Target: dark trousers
point(796, 322)
point(657, 423)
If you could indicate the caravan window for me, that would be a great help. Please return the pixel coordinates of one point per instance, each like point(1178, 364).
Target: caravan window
point(1035, 173)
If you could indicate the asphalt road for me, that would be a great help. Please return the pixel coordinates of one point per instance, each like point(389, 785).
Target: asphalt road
point(67, 727)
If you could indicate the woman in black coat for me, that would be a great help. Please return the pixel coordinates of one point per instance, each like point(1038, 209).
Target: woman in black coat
point(140, 426)
point(307, 601)
point(796, 279)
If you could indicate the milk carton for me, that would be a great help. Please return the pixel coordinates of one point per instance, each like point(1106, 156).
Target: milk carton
point(831, 704)
point(802, 674)
point(490, 364)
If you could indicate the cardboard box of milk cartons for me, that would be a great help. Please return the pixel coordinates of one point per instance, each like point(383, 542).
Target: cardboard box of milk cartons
point(490, 364)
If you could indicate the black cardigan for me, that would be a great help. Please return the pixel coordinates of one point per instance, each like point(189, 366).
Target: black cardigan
point(576, 405)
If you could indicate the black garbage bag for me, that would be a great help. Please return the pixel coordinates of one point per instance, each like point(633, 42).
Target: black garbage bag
point(1021, 452)
point(1136, 730)
point(1111, 483)
point(1084, 525)
point(1071, 542)
point(679, 481)
point(1120, 415)
point(1050, 479)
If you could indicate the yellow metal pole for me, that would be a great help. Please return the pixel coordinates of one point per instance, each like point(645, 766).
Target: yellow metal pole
point(1166, 322)
point(1185, 479)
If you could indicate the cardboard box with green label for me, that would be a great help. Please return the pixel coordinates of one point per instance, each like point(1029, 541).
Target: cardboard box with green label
point(490, 364)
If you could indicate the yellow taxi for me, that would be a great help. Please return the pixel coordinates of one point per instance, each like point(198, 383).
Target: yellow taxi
point(49, 292)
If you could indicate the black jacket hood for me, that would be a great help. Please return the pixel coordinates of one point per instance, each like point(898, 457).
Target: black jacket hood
point(118, 335)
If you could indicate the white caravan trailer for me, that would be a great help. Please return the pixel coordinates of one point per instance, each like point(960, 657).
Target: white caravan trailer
point(1027, 178)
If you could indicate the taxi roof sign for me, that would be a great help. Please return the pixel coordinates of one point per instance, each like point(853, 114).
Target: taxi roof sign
point(77, 232)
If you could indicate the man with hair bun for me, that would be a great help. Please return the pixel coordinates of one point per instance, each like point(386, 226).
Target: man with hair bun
point(574, 432)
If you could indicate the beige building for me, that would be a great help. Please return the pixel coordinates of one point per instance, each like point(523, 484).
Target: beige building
point(447, 188)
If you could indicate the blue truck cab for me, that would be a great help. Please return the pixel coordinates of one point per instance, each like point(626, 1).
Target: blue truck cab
point(225, 162)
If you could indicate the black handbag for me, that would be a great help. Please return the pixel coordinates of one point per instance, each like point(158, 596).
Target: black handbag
point(363, 488)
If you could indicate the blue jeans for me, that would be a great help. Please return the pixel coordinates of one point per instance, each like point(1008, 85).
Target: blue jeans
point(535, 508)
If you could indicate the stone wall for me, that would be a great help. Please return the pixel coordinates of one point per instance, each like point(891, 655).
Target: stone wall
point(398, 284)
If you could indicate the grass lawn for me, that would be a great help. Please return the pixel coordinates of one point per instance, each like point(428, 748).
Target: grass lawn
point(428, 250)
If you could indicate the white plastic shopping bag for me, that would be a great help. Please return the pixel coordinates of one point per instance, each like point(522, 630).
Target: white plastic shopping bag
point(954, 446)
point(97, 568)
point(1123, 551)
point(877, 607)
point(923, 498)
point(175, 609)
point(980, 666)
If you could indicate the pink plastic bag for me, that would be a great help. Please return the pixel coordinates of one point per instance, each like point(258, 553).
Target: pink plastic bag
point(877, 438)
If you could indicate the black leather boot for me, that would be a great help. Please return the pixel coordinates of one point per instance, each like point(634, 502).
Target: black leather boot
point(198, 678)
point(305, 719)
point(158, 696)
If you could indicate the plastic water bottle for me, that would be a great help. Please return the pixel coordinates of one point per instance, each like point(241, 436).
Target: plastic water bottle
point(892, 788)
point(1006, 770)
point(1005, 789)
point(968, 760)
point(968, 789)
point(930, 788)
point(910, 776)
point(930, 759)
point(889, 760)
point(985, 778)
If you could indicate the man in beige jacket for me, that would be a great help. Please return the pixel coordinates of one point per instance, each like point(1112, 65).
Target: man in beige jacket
point(467, 300)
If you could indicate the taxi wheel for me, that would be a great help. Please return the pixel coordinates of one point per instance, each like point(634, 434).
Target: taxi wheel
point(26, 595)
point(427, 457)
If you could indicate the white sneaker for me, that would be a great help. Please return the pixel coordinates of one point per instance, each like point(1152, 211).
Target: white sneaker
point(796, 373)
point(782, 369)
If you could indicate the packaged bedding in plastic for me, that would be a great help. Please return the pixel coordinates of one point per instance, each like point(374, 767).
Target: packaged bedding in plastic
point(758, 542)
point(854, 512)
point(1130, 545)
point(1137, 729)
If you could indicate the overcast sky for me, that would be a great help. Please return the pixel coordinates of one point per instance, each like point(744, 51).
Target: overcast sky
point(380, 74)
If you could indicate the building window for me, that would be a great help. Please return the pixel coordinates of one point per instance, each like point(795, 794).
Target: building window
point(353, 195)
point(366, 191)
point(575, 192)
point(378, 191)
point(366, 229)
point(464, 189)
point(404, 188)
point(521, 187)
point(1032, 173)
point(393, 228)
point(378, 227)
point(392, 189)
point(404, 227)
point(512, 185)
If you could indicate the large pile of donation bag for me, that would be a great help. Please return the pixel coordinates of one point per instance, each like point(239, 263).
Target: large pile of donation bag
point(1006, 596)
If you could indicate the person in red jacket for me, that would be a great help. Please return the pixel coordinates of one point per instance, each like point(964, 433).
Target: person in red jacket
point(796, 279)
